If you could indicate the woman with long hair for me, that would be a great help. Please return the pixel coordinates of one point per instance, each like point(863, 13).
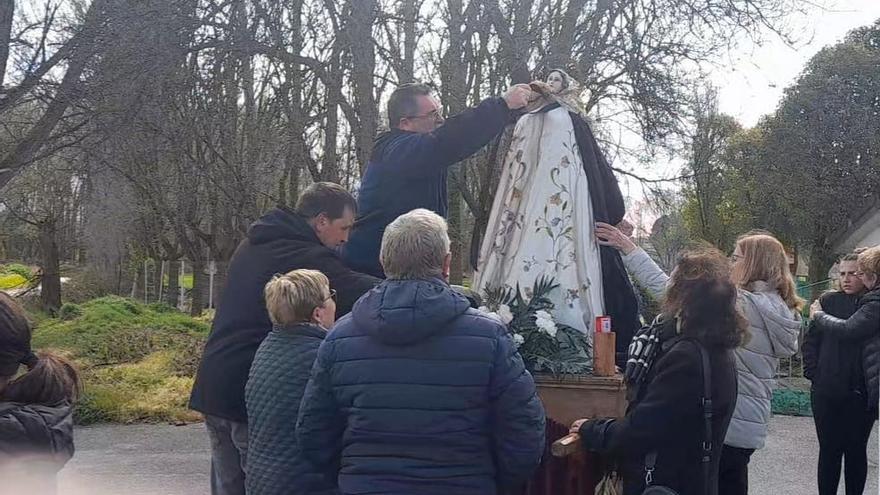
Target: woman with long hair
point(36, 407)
point(663, 438)
point(768, 298)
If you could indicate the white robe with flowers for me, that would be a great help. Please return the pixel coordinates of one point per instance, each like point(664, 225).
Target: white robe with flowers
point(542, 221)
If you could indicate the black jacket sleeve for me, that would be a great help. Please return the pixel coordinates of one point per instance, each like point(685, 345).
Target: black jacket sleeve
point(671, 398)
point(348, 284)
point(863, 324)
point(459, 137)
point(810, 351)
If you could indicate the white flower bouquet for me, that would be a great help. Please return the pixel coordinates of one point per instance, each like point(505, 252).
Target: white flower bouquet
point(544, 344)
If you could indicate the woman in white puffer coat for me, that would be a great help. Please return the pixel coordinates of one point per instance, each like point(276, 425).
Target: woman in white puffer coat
point(768, 298)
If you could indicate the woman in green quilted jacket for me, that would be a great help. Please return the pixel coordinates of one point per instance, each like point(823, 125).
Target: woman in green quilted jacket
point(302, 307)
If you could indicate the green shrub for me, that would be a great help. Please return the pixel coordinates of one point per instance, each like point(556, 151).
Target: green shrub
point(161, 307)
point(18, 269)
point(791, 402)
point(83, 285)
point(137, 361)
point(69, 311)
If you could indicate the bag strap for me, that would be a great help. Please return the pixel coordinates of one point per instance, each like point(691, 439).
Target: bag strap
point(707, 416)
point(706, 445)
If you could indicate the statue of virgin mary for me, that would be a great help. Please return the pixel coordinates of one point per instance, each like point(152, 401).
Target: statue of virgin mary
point(554, 186)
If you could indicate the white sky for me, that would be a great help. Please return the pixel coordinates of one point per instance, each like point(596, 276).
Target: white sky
point(751, 78)
point(751, 85)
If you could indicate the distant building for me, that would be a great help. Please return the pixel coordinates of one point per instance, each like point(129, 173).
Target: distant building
point(863, 232)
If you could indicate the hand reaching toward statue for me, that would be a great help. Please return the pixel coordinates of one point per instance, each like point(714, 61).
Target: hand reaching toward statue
point(518, 96)
point(626, 227)
point(609, 235)
point(815, 308)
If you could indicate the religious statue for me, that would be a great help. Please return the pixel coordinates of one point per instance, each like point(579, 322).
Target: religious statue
point(554, 186)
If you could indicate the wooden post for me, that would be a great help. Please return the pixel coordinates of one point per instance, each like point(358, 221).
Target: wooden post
point(603, 353)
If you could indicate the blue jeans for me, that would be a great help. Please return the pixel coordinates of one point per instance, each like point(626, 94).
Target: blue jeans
point(228, 455)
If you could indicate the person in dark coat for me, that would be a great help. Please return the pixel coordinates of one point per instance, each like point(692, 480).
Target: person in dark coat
point(862, 329)
point(407, 168)
point(302, 308)
point(839, 392)
point(417, 392)
point(666, 414)
point(280, 241)
point(36, 408)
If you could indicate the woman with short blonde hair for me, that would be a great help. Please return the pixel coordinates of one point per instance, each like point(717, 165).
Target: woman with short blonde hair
point(302, 308)
point(293, 297)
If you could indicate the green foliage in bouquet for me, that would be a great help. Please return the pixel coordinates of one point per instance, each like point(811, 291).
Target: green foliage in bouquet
point(545, 346)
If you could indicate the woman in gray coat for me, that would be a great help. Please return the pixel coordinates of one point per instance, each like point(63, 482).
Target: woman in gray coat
point(768, 299)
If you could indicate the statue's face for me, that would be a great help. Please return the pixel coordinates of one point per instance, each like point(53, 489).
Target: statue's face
point(556, 81)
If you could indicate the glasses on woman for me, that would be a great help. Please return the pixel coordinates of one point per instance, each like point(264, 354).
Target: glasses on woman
point(735, 257)
point(331, 296)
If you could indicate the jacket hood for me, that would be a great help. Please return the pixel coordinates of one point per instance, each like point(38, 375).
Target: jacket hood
point(281, 223)
point(402, 312)
point(382, 140)
point(37, 429)
point(773, 313)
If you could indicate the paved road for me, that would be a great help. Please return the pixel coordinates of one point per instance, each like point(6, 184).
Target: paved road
point(173, 460)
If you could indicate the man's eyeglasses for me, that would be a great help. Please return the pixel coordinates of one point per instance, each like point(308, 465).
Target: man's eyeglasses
point(433, 114)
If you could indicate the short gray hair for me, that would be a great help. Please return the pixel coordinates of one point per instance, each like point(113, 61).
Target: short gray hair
point(415, 246)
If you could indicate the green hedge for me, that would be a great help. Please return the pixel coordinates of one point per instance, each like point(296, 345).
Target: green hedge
point(137, 361)
point(791, 402)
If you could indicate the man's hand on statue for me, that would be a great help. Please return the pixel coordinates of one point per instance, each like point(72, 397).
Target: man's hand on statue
point(518, 96)
point(609, 235)
point(576, 426)
point(626, 227)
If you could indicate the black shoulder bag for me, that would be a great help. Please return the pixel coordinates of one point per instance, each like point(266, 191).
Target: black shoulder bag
point(706, 461)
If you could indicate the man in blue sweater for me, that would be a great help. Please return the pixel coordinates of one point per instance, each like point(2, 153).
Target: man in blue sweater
point(407, 169)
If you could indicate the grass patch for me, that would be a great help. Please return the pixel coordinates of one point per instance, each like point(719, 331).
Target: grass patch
point(186, 280)
point(11, 281)
point(138, 361)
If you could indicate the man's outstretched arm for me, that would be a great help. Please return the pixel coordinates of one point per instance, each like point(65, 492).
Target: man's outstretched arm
point(460, 136)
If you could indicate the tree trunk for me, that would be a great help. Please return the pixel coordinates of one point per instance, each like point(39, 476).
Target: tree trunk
point(7, 10)
point(409, 10)
point(36, 138)
point(156, 282)
point(220, 281)
point(199, 289)
point(50, 292)
point(456, 224)
point(173, 290)
point(137, 287)
point(821, 260)
point(359, 27)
